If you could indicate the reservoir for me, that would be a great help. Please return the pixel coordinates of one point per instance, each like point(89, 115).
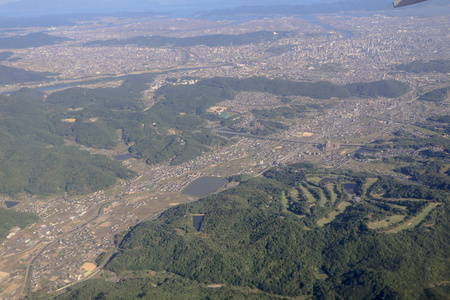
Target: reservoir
point(350, 187)
point(197, 221)
point(204, 186)
point(326, 180)
point(123, 156)
point(10, 204)
point(313, 20)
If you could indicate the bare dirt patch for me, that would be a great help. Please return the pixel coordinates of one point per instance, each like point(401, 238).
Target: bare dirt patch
point(88, 267)
point(217, 109)
point(3, 275)
point(71, 120)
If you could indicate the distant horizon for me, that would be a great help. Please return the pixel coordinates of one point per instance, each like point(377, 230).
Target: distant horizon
point(187, 8)
point(24, 8)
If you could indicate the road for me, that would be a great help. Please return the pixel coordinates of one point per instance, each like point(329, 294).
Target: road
point(29, 273)
point(106, 260)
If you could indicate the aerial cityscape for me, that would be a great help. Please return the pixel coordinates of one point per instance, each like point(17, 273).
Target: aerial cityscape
point(108, 122)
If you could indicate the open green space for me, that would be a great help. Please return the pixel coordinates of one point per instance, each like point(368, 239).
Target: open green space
point(332, 215)
point(368, 184)
point(10, 219)
point(252, 234)
point(331, 187)
point(414, 221)
point(385, 222)
point(306, 193)
point(423, 130)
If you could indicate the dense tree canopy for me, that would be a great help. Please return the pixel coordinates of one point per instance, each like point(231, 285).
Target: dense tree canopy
point(251, 237)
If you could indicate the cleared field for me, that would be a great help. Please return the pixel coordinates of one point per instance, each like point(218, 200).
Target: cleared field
point(413, 222)
point(71, 120)
point(88, 266)
point(386, 222)
point(323, 199)
point(217, 109)
point(401, 199)
point(332, 215)
point(423, 130)
point(284, 201)
point(293, 193)
point(307, 194)
point(331, 186)
point(3, 275)
point(314, 180)
point(368, 184)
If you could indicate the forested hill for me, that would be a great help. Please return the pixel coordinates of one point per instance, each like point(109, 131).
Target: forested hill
point(319, 90)
point(10, 75)
point(213, 40)
point(33, 154)
point(439, 65)
point(36, 39)
point(437, 95)
point(297, 231)
point(33, 128)
point(10, 219)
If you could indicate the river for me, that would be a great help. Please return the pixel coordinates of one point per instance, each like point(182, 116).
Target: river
point(313, 20)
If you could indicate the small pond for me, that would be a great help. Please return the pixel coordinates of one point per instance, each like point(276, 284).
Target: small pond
point(204, 186)
point(197, 221)
point(10, 204)
point(325, 180)
point(350, 187)
point(123, 156)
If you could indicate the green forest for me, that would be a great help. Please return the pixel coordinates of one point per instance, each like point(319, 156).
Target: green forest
point(318, 90)
point(437, 95)
point(10, 219)
point(438, 65)
point(10, 75)
point(299, 230)
point(35, 129)
point(34, 39)
point(213, 40)
point(33, 155)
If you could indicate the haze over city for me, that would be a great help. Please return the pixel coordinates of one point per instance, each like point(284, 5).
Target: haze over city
point(216, 149)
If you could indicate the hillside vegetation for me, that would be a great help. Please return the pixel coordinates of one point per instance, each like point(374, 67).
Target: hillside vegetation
point(268, 233)
point(35, 159)
point(35, 39)
point(438, 65)
point(213, 40)
point(10, 75)
point(10, 219)
point(437, 95)
point(33, 154)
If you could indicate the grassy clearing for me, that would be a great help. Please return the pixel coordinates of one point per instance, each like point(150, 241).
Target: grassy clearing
point(316, 193)
point(314, 180)
point(307, 194)
point(413, 222)
point(331, 187)
point(386, 222)
point(424, 130)
point(284, 202)
point(368, 184)
point(397, 206)
point(323, 199)
point(332, 215)
point(293, 193)
point(403, 199)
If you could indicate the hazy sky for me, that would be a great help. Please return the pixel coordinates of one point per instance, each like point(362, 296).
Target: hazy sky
point(249, 1)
